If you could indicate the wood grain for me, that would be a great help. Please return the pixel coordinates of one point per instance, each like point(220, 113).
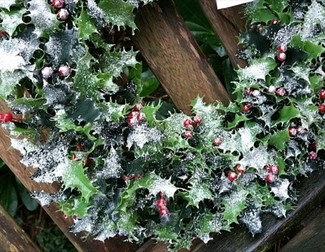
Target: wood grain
point(227, 23)
point(174, 56)
point(12, 158)
point(13, 237)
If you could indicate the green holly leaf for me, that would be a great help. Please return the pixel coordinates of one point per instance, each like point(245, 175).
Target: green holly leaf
point(234, 204)
point(77, 206)
point(150, 111)
point(86, 24)
point(10, 20)
point(287, 113)
point(166, 233)
point(316, 82)
point(198, 192)
point(118, 12)
point(74, 176)
point(279, 139)
point(314, 50)
point(42, 18)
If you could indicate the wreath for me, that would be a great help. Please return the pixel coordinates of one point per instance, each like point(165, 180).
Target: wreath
point(124, 170)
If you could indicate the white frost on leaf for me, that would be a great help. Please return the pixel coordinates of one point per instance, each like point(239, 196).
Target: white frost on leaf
point(5, 4)
point(159, 184)
point(112, 167)
point(257, 158)
point(10, 55)
point(257, 70)
point(315, 15)
point(142, 134)
point(252, 220)
point(281, 190)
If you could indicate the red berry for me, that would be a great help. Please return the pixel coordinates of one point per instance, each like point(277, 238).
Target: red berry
point(163, 212)
point(137, 107)
point(188, 124)
point(273, 168)
point(64, 70)
point(197, 120)
point(322, 94)
point(6, 117)
point(63, 14)
point(280, 91)
point(47, 72)
point(247, 107)
point(313, 155)
point(321, 108)
point(57, 4)
point(292, 131)
point(187, 135)
point(133, 118)
point(232, 176)
point(270, 178)
point(240, 168)
point(161, 203)
point(312, 146)
point(282, 48)
point(141, 117)
point(275, 21)
point(281, 56)
point(217, 141)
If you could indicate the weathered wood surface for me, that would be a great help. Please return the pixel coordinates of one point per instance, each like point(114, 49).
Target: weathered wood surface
point(311, 193)
point(11, 157)
point(227, 23)
point(12, 236)
point(175, 57)
point(311, 237)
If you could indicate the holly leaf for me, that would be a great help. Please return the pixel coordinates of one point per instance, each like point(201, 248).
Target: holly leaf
point(11, 20)
point(118, 12)
point(279, 139)
point(77, 206)
point(287, 113)
point(42, 18)
point(74, 176)
point(86, 24)
point(198, 192)
point(234, 204)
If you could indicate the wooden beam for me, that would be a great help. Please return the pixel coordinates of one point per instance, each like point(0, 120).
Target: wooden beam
point(12, 236)
point(174, 56)
point(227, 23)
point(12, 158)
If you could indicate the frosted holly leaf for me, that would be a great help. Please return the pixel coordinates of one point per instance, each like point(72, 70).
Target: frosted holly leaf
point(315, 15)
point(209, 223)
point(281, 189)
point(118, 12)
point(11, 20)
point(108, 230)
point(5, 4)
point(85, 23)
point(241, 140)
point(234, 204)
point(258, 69)
point(96, 13)
point(197, 193)
point(257, 158)
point(116, 61)
point(8, 82)
point(42, 17)
point(159, 184)
point(285, 34)
point(111, 168)
point(45, 198)
point(63, 47)
point(278, 210)
point(251, 218)
point(10, 54)
point(141, 135)
point(114, 111)
point(82, 224)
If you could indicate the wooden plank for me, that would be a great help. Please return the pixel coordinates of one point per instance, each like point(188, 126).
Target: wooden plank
point(11, 157)
point(227, 23)
point(310, 238)
point(174, 56)
point(12, 236)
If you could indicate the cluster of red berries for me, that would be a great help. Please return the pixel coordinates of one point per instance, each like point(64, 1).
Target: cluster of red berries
point(295, 131)
point(62, 13)
point(8, 117)
point(233, 175)
point(282, 52)
point(161, 205)
point(272, 170)
point(321, 107)
point(189, 124)
point(136, 116)
point(64, 71)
